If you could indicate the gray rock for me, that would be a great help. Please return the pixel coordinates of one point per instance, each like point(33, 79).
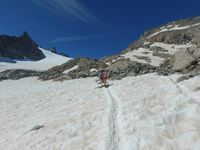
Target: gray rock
point(83, 70)
point(22, 47)
point(186, 59)
point(38, 127)
point(16, 74)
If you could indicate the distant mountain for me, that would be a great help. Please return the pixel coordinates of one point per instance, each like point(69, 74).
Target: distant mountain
point(22, 47)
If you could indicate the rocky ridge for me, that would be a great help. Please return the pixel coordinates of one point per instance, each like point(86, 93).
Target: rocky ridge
point(23, 47)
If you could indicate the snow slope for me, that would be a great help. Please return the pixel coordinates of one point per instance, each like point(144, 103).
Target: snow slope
point(50, 61)
point(147, 112)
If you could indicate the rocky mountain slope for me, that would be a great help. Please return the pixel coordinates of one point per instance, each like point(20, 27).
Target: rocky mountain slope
point(22, 47)
point(175, 47)
point(158, 50)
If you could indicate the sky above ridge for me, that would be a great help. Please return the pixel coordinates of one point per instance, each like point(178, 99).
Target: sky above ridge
point(90, 28)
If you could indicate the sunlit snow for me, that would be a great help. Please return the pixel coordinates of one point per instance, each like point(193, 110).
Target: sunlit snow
point(147, 112)
point(50, 61)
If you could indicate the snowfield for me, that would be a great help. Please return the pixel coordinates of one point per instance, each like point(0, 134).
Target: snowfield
point(146, 112)
point(50, 61)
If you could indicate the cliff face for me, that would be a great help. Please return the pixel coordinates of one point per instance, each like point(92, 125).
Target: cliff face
point(22, 47)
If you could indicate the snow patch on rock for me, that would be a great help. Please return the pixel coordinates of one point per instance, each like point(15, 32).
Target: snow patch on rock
point(142, 52)
point(172, 48)
point(51, 60)
point(173, 28)
point(71, 69)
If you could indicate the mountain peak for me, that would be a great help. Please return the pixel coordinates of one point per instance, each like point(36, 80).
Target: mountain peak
point(26, 36)
point(22, 47)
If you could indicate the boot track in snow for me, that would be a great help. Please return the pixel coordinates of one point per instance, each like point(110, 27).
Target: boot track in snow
point(113, 143)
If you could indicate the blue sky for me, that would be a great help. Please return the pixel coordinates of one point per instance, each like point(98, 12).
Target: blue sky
point(90, 28)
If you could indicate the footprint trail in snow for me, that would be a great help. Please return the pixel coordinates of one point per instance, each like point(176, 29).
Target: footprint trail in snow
point(113, 144)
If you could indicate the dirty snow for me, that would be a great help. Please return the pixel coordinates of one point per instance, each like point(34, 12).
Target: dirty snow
point(50, 61)
point(147, 112)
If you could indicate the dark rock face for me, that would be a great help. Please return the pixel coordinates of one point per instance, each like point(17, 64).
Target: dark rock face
point(22, 47)
point(17, 74)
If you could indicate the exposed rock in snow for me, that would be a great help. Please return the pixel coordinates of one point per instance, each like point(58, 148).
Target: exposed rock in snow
point(16, 74)
point(38, 127)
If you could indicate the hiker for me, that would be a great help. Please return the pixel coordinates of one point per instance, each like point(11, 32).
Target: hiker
point(101, 76)
point(104, 77)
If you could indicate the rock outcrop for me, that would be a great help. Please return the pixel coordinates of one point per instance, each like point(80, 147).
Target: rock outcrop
point(86, 67)
point(89, 68)
point(22, 47)
point(16, 74)
point(124, 67)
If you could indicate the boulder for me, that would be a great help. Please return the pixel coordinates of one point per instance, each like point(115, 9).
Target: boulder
point(185, 58)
